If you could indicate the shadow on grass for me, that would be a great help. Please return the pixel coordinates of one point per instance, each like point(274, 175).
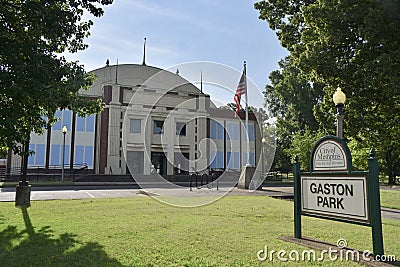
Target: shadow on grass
point(39, 248)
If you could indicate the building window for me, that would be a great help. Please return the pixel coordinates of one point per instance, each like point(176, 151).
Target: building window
point(38, 157)
point(217, 159)
point(135, 126)
point(158, 127)
point(84, 155)
point(65, 118)
point(216, 130)
point(181, 128)
point(89, 155)
point(232, 131)
point(229, 160)
point(90, 123)
point(251, 132)
point(79, 154)
point(56, 155)
point(85, 124)
point(236, 158)
point(251, 158)
point(232, 159)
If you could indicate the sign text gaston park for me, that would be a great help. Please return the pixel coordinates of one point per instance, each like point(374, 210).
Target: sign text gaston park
point(338, 197)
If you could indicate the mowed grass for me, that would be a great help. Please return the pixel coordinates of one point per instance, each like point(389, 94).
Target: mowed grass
point(141, 231)
point(390, 199)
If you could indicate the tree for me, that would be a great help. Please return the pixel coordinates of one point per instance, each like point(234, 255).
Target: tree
point(291, 99)
point(355, 45)
point(35, 80)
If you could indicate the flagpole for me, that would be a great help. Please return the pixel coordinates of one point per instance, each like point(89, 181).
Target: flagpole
point(247, 117)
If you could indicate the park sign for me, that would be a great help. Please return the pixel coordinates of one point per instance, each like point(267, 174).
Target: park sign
point(335, 196)
point(333, 190)
point(330, 155)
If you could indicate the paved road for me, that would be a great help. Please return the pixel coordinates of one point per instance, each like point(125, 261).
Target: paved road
point(7, 194)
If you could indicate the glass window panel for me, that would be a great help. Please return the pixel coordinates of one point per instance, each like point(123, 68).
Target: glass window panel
point(79, 153)
point(251, 132)
point(220, 131)
point(213, 130)
point(89, 155)
point(158, 127)
point(90, 123)
point(40, 154)
point(244, 135)
point(31, 158)
point(220, 159)
point(252, 158)
point(236, 158)
point(235, 130)
point(135, 125)
point(228, 131)
point(229, 160)
point(67, 115)
point(55, 155)
point(57, 125)
point(80, 124)
point(244, 158)
point(213, 159)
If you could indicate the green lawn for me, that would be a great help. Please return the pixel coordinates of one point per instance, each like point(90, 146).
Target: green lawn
point(143, 232)
point(390, 199)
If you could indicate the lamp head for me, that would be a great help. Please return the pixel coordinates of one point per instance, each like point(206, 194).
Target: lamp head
point(64, 129)
point(339, 97)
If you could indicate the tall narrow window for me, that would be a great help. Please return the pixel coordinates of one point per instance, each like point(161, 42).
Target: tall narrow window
point(90, 123)
point(80, 124)
point(55, 155)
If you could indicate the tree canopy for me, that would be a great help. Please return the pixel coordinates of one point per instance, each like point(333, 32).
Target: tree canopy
point(35, 80)
point(350, 44)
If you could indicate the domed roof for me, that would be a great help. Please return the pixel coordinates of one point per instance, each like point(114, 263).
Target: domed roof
point(135, 75)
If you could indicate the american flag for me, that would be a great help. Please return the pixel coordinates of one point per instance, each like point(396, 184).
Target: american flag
point(240, 90)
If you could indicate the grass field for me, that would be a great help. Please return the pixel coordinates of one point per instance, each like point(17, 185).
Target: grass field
point(390, 199)
point(143, 232)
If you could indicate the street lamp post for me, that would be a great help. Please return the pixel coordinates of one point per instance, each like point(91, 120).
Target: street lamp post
point(264, 143)
point(64, 131)
point(339, 98)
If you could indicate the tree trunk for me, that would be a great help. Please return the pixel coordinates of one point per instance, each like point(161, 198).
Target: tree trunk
point(23, 189)
point(391, 166)
point(24, 167)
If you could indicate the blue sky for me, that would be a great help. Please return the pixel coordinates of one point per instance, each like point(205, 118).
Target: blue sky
point(225, 32)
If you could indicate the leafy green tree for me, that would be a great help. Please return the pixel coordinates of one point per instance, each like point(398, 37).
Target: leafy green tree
point(35, 80)
point(302, 145)
point(291, 99)
point(355, 45)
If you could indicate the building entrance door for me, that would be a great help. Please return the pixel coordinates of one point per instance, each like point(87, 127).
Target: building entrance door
point(159, 160)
